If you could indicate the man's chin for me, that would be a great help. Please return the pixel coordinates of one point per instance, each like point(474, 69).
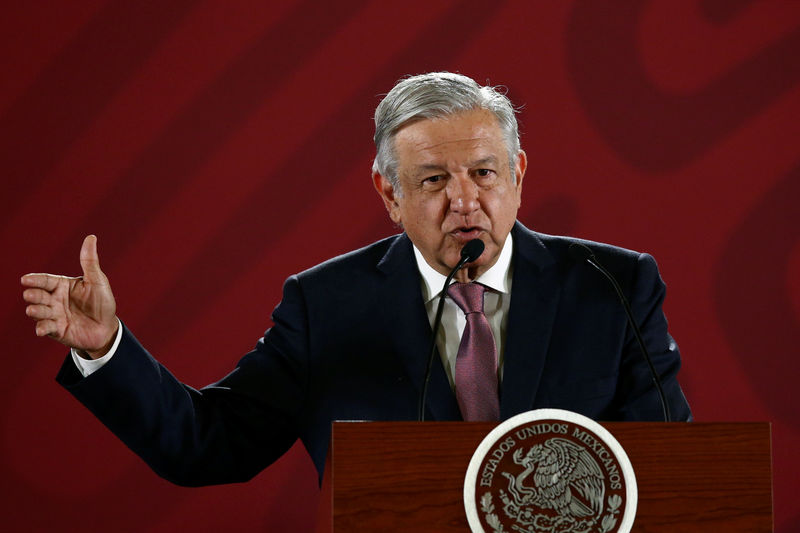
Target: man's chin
point(453, 255)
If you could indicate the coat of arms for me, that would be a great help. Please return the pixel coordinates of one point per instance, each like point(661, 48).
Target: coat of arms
point(550, 475)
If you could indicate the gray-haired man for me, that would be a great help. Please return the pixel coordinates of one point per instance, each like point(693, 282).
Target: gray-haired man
point(350, 336)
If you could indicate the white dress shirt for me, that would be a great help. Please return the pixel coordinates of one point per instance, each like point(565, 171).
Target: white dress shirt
point(496, 302)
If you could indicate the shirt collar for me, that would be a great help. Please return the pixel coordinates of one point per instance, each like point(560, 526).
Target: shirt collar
point(496, 278)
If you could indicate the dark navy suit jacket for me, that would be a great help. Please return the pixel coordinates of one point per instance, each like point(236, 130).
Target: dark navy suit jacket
point(350, 341)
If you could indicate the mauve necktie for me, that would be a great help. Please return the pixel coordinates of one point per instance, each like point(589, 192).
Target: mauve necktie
point(476, 363)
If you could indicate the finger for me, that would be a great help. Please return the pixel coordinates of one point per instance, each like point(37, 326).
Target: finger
point(46, 327)
point(40, 312)
point(37, 296)
point(90, 261)
point(47, 282)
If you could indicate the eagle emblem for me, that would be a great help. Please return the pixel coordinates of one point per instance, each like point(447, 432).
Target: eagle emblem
point(550, 471)
point(565, 478)
point(560, 488)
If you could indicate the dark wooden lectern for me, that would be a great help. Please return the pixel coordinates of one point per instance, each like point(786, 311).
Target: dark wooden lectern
point(408, 476)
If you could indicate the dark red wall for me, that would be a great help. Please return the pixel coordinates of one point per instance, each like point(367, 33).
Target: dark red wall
point(217, 147)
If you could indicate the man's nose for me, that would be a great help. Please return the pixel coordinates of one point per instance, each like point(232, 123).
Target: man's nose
point(463, 194)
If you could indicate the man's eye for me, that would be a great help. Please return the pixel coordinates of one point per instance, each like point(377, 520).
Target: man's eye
point(432, 179)
point(484, 172)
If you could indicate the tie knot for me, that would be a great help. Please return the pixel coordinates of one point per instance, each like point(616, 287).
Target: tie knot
point(468, 296)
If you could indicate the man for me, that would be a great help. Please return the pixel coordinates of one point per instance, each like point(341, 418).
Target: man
point(350, 336)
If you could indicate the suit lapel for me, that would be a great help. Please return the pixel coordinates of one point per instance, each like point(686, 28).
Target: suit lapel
point(534, 301)
point(408, 330)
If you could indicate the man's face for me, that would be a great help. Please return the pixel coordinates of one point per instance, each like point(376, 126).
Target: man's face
point(456, 185)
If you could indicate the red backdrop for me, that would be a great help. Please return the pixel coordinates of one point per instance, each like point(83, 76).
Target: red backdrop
point(217, 147)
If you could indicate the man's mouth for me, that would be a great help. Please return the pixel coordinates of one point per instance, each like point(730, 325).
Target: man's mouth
point(467, 233)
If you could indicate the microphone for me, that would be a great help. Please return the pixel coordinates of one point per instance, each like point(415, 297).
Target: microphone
point(582, 253)
point(469, 253)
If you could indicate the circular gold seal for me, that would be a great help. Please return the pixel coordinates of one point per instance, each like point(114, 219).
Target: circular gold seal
point(550, 471)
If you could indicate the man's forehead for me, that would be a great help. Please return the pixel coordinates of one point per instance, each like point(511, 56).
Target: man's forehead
point(473, 122)
point(474, 136)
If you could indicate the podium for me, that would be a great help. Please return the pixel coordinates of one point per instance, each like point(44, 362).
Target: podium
point(408, 476)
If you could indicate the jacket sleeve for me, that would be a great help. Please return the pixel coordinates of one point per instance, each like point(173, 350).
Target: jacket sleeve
point(637, 393)
point(226, 432)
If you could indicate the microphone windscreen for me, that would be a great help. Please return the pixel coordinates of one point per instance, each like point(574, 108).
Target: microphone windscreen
point(472, 250)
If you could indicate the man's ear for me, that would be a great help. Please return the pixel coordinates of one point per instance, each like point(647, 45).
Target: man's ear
point(519, 173)
point(389, 196)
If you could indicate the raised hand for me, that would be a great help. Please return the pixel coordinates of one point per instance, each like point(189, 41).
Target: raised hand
point(79, 312)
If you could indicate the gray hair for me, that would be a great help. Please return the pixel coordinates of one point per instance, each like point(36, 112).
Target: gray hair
point(437, 95)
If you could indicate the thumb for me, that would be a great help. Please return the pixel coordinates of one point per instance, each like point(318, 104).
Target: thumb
point(90, 261)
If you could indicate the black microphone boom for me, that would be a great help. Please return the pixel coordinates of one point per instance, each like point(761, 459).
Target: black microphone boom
point(581, 252)
point(469, 253)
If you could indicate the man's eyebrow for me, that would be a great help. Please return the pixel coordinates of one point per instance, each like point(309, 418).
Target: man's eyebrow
point(425, 168)
point(429, 166)
point(491, 160)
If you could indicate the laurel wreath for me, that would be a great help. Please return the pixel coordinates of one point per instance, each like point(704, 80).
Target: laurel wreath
point(488, 509)
point(609, 520)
